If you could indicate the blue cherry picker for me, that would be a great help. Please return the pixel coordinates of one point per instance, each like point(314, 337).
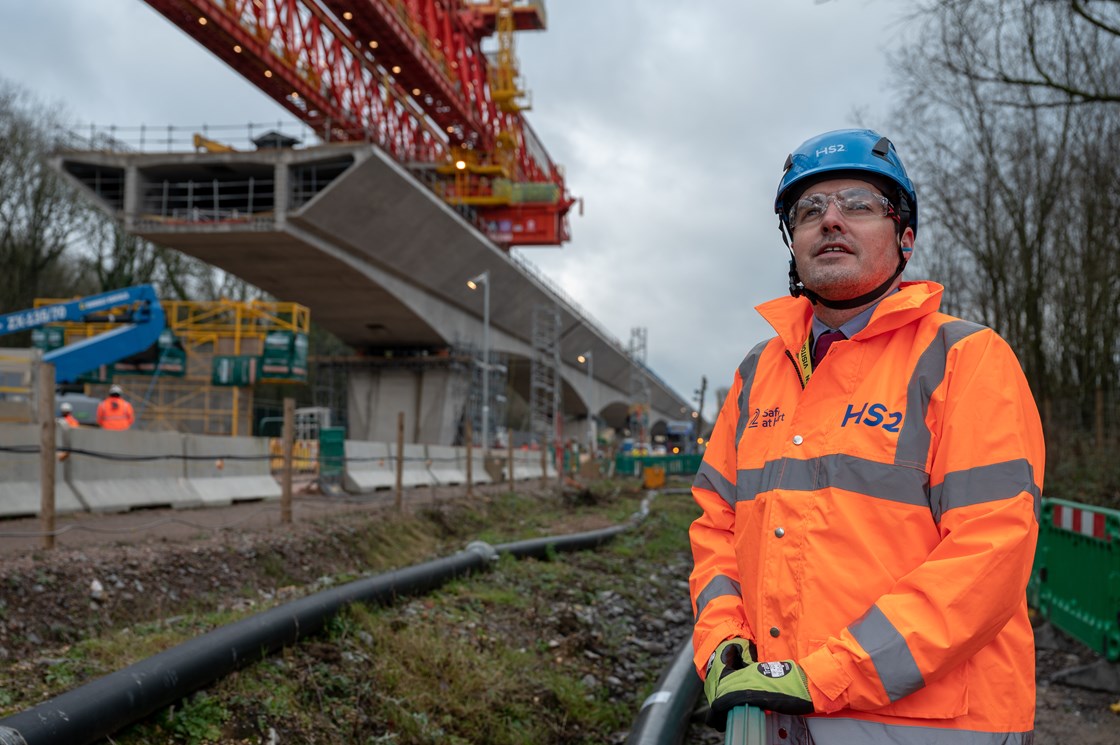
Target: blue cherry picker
point(136, 309)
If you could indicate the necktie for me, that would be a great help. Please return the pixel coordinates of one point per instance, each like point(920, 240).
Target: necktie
point(824, 341)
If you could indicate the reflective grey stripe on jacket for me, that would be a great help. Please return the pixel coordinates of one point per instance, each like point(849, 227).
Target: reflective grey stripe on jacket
point(840, 731)
point(746, 373)
point(898, 672)
point(720, 585)
point(906, 479)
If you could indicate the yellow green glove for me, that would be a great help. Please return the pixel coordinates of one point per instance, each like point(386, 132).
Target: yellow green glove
point(733, 654)
point(775, 686)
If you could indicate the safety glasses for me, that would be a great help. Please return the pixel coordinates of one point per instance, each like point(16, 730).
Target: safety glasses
point(855, 203)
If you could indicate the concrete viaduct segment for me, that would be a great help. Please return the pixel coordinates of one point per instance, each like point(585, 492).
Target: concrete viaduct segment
point(381, 261)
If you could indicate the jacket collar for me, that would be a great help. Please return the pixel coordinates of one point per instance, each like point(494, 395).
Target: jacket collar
point(792, 317)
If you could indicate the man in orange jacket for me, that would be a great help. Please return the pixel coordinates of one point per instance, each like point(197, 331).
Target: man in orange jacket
point(871, 489)
point(114, 412)
point(68, 419)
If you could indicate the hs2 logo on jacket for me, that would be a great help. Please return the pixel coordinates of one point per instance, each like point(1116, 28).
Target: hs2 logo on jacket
point(873, 415)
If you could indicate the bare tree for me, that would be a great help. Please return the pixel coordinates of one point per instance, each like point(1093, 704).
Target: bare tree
point(40, 216)
point(1013, 139)
point(1060, 52)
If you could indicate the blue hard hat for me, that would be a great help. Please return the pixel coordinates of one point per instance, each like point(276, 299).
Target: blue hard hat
point(855, 153)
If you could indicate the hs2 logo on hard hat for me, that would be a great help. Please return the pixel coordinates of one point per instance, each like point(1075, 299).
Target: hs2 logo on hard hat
point(829, 150)
point(775, 669)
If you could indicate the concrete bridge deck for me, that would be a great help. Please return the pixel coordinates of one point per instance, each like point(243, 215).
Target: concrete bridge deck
point(378, 257)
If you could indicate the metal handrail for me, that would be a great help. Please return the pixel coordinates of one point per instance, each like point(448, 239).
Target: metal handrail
point(746, 725)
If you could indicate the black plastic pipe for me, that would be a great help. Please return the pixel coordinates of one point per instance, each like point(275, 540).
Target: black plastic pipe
point(539, 548)
point(108, 704)
point(663, 718)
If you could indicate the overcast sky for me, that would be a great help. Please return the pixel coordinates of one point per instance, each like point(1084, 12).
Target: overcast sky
point(671, 119)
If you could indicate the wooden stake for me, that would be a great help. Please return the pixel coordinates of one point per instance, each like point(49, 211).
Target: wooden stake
point(400, 461)
point(46, 452)
point(288, 435)
point(468, 434)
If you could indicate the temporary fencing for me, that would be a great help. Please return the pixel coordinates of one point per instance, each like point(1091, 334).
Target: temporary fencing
point(104, 471)
point(674, 465)
point(1075, 583)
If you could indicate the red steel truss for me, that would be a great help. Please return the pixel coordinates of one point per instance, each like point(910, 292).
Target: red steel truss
point(408, 75)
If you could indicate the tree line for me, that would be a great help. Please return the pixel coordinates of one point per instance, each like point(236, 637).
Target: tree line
point(1009, 114)
point(55, 243)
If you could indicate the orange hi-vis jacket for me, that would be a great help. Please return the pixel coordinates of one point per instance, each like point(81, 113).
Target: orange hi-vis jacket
point(115, 413)
point(877, 523)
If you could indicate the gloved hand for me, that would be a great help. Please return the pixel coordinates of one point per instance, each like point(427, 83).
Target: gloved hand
point(774, 686)
point(733, 654)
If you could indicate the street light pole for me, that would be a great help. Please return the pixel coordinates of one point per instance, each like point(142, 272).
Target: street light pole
point(587, 359)
point(473, 283)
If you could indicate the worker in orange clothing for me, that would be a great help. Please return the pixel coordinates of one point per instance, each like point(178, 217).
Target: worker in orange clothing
point(114, 412)
point(871, 490)
point(67, 419)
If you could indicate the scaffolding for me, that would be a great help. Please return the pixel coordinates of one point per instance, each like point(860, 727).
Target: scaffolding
point(545, 387)
point(213, 335)
point(639, 386)
point(497, 367)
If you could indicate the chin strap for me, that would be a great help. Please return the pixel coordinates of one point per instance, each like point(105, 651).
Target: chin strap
point(798, 288)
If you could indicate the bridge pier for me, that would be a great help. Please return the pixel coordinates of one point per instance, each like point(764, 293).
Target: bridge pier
point(432, 398)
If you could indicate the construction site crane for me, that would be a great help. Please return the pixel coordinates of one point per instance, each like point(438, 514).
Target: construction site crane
point(410, 76)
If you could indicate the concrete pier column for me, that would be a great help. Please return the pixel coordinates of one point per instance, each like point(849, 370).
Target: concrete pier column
point(433, 399)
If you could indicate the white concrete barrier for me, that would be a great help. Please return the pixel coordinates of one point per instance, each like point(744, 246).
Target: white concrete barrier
point(415, 472)
point(19, 474)
point(118, 483)
point(526, 464)
point(447, 467)
point(478, 467)
point(221, 480)
point(368, 467)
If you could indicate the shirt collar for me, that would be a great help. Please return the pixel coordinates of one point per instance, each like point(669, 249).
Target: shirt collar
point(853, 326)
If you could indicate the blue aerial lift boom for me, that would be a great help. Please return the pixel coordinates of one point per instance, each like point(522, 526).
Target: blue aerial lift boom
point(137, 309)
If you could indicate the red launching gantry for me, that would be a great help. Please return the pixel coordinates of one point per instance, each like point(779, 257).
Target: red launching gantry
point(410, 76)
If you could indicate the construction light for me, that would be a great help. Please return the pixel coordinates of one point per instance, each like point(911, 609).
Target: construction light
point(482, 279)
point(699, 440)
